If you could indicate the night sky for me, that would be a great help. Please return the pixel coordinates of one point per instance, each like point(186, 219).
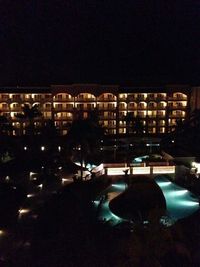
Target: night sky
point(88, 41)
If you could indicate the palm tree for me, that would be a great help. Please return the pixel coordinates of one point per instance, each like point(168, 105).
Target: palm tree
point(129, 121)
point(138, 127)
point(84, 135)
point(5, 125)
point(29, 114)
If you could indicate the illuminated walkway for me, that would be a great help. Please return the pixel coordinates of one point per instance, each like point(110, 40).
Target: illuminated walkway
point(180, 202)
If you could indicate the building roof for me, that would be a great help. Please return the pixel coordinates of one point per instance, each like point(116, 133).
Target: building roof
point(25, 89)
point(96, 89)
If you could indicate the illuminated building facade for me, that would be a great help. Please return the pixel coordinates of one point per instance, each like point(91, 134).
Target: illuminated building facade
point(157, 108)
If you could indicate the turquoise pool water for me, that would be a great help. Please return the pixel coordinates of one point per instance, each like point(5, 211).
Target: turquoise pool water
point(180, 202)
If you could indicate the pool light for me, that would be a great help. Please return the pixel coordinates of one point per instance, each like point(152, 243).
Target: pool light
point(178, 193)
point(188, 203)
point(164, 184)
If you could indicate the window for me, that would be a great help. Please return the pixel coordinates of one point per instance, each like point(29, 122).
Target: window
point(48, 105)
point(151, 95)
point(47, 96)
point(59, 97)
point(58, 106)
point(5, 97)
point(16, 97)
point(69, 106)
point(152, 105)
point(37, 97)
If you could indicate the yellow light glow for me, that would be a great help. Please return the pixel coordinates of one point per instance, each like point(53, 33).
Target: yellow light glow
point(2, 232)
point(40, 186)
point(24, 211)
point(66, 180)
point(115, 171)
point(163, 169)
point(30, 195)
point(196, 165)
point(141, 170)
point(31, 175)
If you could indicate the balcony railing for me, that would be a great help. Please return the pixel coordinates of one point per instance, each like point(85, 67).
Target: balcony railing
point(55, 99)
point(63, 108)
point(178, 98)
point(82, 99)
point(110, 99)
point(64, 118)
point(177, 115)
point(177, 107)
point(4, 109)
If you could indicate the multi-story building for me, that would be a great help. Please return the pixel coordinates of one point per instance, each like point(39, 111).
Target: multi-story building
point(158, 108)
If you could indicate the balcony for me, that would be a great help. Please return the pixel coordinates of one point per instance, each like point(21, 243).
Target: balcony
point(152, 107)
point(107, 99)
point(4, 109)
point(107, 108)
point(16, 109)
point(63, 109)
point(123, 99)
point(122, 107)
point(107, 117)
point(63, 118)
point(177, 98)
point(142, 107)
point(83, 99)
point(152, 124)
point(177, 107)
point(46, 108)
point(141, 116)
point(56, 99)
point(161, 98)
point(132, 98)
point(161, 107)
point(176, 115)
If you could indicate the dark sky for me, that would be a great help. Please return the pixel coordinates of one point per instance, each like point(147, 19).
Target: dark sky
point(111, 41)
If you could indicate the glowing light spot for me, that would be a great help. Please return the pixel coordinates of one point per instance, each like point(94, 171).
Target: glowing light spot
point(32, 175)
point(65, 180)
point(2, 232)
point(119, 186)
point(188, 203)
point(42, 148)
point(164, 184)
point(115, 216)
point(178, 193)
point(40, 186)
point(24, 211)
point(7, 178)
point(30, 195)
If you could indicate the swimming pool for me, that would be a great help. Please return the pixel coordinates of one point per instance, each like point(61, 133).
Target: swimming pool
point(180, 202)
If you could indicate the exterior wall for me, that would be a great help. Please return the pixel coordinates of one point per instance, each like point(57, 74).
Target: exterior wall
point(195, 98)
point(157, 108)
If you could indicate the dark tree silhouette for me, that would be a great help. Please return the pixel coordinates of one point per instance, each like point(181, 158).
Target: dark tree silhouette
point(129, 122)
point(5, 125)
point(138, 127)
point(29, 114)
point(85, 135)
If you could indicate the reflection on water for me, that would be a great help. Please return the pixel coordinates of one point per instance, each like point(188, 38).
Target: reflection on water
point(180, 202)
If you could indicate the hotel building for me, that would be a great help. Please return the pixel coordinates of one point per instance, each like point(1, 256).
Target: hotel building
point(157, 107)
